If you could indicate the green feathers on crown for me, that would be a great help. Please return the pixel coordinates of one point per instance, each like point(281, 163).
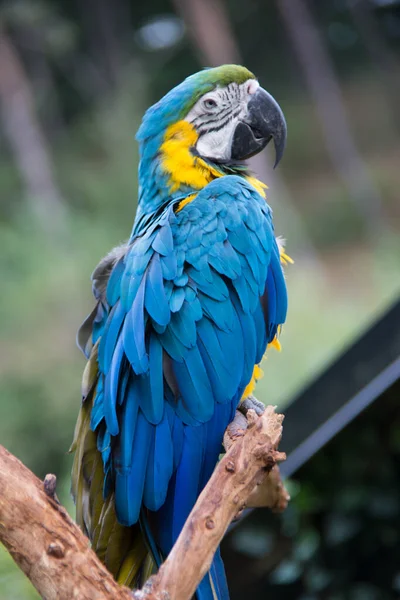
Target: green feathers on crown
point(209, 78)
point(224, 75)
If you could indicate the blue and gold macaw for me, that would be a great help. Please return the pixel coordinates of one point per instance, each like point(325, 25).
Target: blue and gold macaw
point(185, 311)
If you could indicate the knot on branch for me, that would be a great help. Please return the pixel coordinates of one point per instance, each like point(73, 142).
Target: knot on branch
point(56, 549)
point(210, 523)
point(50, 484)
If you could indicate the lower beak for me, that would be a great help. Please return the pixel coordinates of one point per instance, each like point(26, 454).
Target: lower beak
point(264, 121)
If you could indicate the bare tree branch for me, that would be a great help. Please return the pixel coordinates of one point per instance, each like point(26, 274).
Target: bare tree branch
point(44, 541)
point(55, 555)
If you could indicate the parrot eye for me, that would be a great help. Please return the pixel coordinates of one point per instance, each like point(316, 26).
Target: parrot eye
point(209, 103)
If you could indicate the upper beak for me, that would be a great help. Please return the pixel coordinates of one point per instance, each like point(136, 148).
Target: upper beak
point(264, 120)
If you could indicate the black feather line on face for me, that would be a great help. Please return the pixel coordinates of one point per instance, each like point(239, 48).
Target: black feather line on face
point(212, 118)
point(203, 130)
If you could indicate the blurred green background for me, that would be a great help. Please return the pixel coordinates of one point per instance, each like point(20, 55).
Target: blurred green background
point(75, 78)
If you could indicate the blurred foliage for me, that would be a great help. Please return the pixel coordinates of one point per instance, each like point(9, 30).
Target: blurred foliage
point(92, 77)
point(339, 537)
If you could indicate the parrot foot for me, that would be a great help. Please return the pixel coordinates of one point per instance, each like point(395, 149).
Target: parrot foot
point(251, 403)
point(241, 420)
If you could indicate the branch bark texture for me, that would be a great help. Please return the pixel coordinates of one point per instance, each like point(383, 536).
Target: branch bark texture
point(44, 541)
point(245, 466)
point(55, 555)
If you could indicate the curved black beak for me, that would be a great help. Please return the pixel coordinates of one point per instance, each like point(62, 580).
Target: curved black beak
point(264, 121)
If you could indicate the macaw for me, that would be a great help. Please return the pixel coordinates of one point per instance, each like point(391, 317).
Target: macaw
point(184, 313)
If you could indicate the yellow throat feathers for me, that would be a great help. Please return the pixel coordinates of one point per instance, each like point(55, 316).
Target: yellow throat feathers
point(184, 168)
point(179, 162)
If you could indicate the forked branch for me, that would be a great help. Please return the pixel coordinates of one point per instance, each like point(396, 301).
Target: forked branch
point(55, 555)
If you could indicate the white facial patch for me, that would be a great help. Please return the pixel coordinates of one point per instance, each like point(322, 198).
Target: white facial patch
point(215, 116)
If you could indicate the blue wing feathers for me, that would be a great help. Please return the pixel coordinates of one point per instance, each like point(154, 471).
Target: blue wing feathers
point(194, 309)
point(194, 385)
point(139, 256)
point(110, 336)
point(240, 240)
point(222, 370)
point(181, 280)
point(172, 345)
point(125, 374)
point(104, 444)
point(177, 298)
point(150, 385)
point(191, 307)
point(127, 426)
point(163, 242)
point(183, 491)
point(217, 374)
point(97, 414)
point(130, 283)
point(214, 434)
point(220, 312)
point(249, 343)
point(254, 264)
point(274, 299)
point(133, 333)
point(280, 285)
point(159, 467)
point(169, 266)
point(113, 285)
point(234, 351)
point(261, 331)
point(270, 290)
point(129, 486)
point(112, 382)
point(245, 295)
point(156, 375)
point(156, 302)
point(225, 260)
point(216, 288)
point(182, 327)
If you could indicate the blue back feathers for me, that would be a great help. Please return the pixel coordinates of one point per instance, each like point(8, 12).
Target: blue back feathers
point(183, 333)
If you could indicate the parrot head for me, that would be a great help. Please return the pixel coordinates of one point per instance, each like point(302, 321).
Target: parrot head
point(232, 115)
point(236, 117)
point(202, 129)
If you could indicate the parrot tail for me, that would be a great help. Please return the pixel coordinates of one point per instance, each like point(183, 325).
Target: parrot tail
point(214, 585)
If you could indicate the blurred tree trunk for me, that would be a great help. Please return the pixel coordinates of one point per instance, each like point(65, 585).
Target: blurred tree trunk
point(30, 41)
point(210, 30)
point(387, 65)
point(324, 87)
point(106, 24)
point(27, 141)
point(208, 26)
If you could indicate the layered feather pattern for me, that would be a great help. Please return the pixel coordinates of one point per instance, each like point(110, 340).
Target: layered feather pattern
point(188, 310)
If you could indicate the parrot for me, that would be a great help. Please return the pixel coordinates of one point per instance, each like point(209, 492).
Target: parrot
point(184, 313)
